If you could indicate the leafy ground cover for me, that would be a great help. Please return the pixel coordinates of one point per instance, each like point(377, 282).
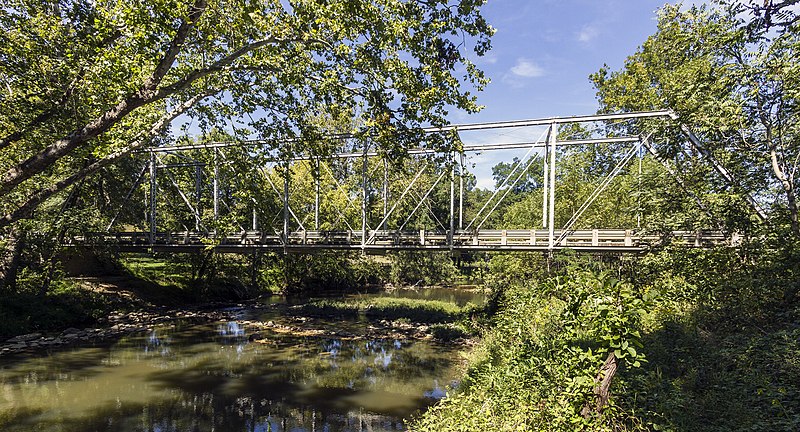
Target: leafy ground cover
point(696, 349)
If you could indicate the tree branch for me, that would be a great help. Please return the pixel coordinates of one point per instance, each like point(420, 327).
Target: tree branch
point(27, 208)
point(146, 94)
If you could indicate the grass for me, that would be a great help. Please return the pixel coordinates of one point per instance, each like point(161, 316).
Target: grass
point(158, 271)
point(416, 310)
point(330, 308)
point(386, 308)
point(722, 353)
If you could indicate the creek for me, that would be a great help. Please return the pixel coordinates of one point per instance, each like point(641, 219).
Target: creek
point(183, 376)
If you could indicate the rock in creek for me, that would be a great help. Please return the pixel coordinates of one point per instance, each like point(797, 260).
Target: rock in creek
point(24, 338)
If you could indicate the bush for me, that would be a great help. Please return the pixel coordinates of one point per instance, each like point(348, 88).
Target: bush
point(329, 272)
point(536, 367)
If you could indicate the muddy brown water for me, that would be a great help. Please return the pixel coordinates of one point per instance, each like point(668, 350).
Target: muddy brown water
point(210, 377)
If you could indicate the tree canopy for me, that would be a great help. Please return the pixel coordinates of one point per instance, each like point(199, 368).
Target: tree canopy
point(87, 82)
point(731, 73)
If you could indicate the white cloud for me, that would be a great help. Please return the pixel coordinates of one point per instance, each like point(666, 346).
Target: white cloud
point(489, 58)
point(527, 69)
point(588, 33)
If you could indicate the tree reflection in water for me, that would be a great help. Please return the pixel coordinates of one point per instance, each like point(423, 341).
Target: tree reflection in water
point(209, 377)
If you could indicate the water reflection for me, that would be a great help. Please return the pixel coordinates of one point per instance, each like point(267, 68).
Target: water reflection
point(232, 329)
point(195, 377)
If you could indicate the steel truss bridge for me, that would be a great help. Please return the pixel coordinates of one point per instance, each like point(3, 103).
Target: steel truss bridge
point(385, 225)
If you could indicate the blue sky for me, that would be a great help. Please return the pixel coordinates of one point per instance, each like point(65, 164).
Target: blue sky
point(540, 62)
point(542, 56)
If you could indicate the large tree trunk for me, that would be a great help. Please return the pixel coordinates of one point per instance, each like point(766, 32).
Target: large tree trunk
point(787, 184)
point(602, 391)
point(9, 261)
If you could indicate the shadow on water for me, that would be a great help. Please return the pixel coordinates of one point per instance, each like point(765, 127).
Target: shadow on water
point(190, 377)
point(204, 413)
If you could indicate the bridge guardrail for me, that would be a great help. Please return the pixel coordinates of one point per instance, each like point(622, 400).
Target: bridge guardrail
point(511, 239)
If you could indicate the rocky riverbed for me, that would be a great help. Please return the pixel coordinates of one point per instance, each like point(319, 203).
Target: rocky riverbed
point(120, 324)
point(115, 325)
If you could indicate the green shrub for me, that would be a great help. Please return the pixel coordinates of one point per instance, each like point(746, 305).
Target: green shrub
point(536, 366)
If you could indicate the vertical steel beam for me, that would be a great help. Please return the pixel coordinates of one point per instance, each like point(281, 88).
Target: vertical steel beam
point(461, 193)
point(639, 192)
point(385, 193)
point(452, 201)
point(215, 187)
point(552, 203)
point(198, 193)
point(153, 191)
point(546, 178)
point(316, 196)
point(285, 233)
point(365, 198)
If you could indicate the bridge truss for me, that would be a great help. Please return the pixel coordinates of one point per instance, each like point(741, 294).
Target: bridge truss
point(375, 206)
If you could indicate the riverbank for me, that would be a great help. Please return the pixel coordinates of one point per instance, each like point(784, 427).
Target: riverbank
point(142, 306)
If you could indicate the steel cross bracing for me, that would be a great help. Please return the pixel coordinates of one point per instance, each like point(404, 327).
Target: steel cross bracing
point(363, 215)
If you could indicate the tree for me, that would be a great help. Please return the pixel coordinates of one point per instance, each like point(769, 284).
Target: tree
point(734, 83)
point(527, 182)
point(87, 82)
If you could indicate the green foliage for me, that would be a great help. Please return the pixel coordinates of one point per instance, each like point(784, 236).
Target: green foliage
point(448, 332)
point(536, 367)
point(416, 310)
point(328, 272)
point(66, 305)
point(736, 88)
point(87, 82)
point(386, 308)
point(331, 308)
point(422, 268)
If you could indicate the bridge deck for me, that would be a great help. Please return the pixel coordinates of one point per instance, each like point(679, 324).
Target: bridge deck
point(597, 240)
